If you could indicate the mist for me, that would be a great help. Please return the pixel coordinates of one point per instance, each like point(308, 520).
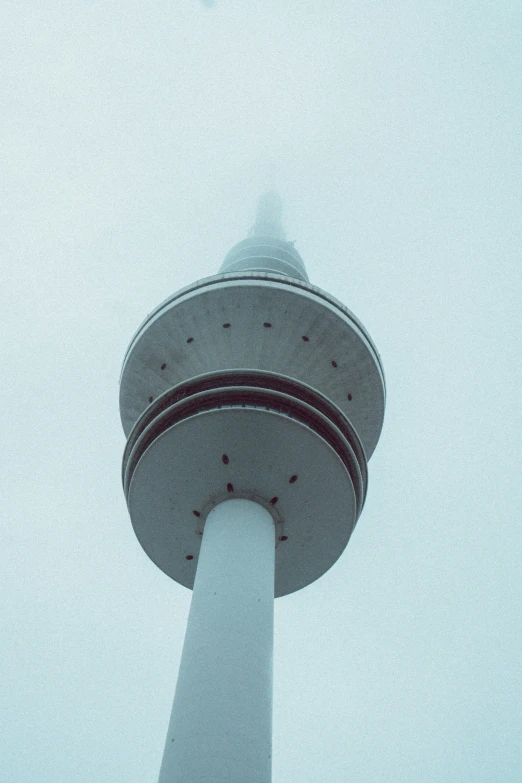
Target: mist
point(136, 141)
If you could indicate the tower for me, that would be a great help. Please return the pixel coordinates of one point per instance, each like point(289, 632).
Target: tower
point(252, 401)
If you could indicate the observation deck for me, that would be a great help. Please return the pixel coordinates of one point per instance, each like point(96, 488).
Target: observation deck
point(256, 384)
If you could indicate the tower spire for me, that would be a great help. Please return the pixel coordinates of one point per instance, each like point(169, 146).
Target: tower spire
point(269, 217)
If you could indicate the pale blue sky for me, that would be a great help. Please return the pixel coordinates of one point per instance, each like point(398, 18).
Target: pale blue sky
point(135, 139)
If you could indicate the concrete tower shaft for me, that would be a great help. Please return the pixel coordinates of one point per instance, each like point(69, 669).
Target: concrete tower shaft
point(221, 724)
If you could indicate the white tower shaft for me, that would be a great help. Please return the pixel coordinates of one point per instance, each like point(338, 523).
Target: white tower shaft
point(221, 725)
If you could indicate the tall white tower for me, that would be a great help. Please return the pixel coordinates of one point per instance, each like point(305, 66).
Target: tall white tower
point(252, 401)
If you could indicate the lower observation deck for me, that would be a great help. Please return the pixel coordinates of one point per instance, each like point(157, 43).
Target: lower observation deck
point(249, 435)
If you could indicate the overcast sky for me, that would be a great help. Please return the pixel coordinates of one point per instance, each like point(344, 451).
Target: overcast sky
point(135, 140)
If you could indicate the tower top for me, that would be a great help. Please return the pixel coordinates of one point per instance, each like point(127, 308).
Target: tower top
point(269, 217)
point(266, 248)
